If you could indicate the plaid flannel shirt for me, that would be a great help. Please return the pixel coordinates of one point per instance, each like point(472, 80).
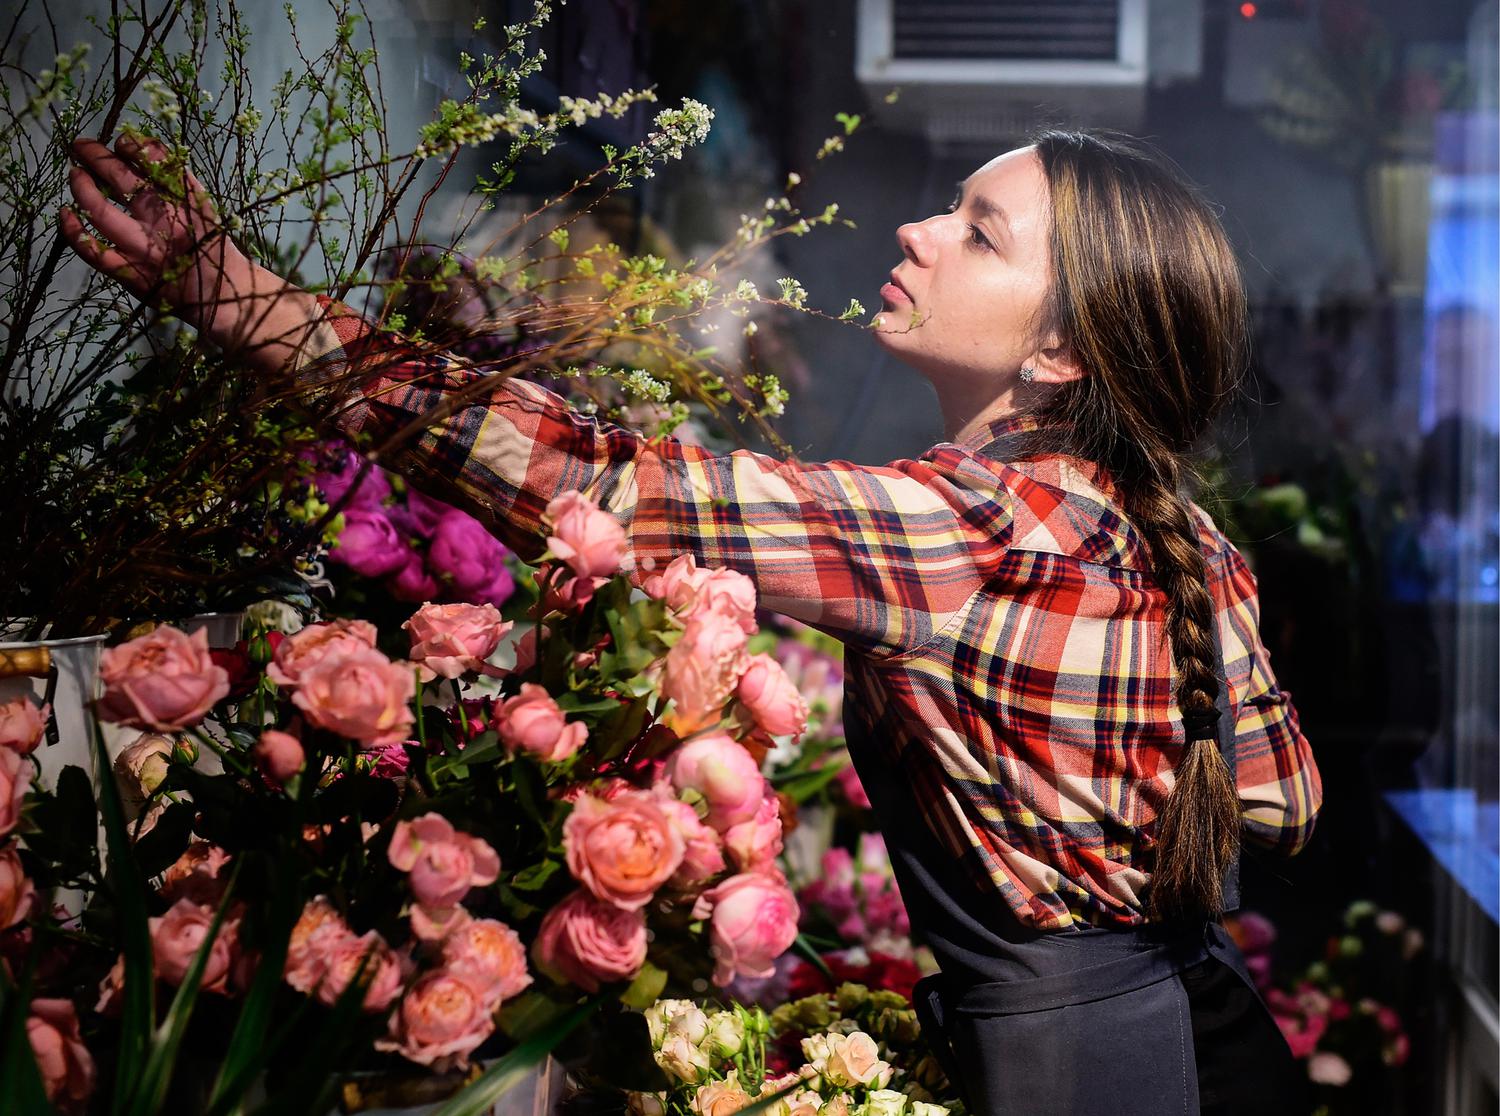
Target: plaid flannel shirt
point(1005, 640)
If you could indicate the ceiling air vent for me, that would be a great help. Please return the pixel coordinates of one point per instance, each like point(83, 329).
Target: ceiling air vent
point(1044, 30)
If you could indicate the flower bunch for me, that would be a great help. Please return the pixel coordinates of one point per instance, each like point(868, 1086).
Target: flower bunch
point(856, 897)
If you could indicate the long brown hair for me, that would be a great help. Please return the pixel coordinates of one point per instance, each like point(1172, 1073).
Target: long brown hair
point(1147, 295)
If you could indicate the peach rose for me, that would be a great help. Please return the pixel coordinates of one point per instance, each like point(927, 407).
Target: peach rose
point(702, 668)
point(720, 1098)
point(442, 1018)
point(622, 850)
point(443, 864)
point(702, 854)
point(532, 722)
point(451, 640)
point(754, 845)
point(301, 651)
point(753, 922)
point(588, 941)
point(433, 924)
point(854, 1059)
point(22, 724)
point(493, 953)
point(724, 773)
point(729, 593)
point(15, 781)
point(67, 1068)
point(17, 892)
point(590, 541)
point(343, 955)
point(165, 680)
point(197, 875)
point(319, 928)
point(772, 698)
point(362, 695)
point(177, 936)
point(279, 755)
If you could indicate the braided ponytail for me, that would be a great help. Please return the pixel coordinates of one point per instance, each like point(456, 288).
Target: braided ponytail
point(1146, 294)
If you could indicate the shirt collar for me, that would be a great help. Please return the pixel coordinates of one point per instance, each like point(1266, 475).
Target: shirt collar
point(996, 429)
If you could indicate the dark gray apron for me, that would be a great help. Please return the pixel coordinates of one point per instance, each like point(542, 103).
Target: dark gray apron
point(1071, 1023)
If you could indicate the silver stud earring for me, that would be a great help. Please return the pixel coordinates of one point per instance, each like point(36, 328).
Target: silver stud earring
point(1028, 374)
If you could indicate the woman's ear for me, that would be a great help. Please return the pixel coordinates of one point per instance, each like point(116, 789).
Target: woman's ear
point(1055, 362)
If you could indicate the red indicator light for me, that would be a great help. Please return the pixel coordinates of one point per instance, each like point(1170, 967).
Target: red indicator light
point(1248, 10)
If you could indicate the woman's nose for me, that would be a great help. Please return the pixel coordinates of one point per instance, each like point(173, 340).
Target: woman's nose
point(916, 242)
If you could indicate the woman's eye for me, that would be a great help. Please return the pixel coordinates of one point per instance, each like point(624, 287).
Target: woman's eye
point(977, 238)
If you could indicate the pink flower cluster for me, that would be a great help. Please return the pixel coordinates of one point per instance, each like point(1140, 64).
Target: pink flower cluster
point(165, 680)
point(342, 683)
point(590, 543)
point(22, 724)
point(858, 895)
point(709, 663)
point(421, 549)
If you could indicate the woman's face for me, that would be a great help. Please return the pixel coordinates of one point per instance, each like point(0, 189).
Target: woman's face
point(964, 304)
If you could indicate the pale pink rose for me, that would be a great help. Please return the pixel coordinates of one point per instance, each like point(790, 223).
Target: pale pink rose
point(1326, 1068)
point(15, 781)
point(451, 640)
point(754, 845)
point(622, 850)
point(677, 584)
point(67, 1068)
point(279, 755)
point(702, 668)
point(443, 864)
point(442, 1018)
point(590, 541)
point(532, 722)
point(493, 953)
point(730, 594)
point(772, 699)
point(362, 695)
point(854, 1060)
point(702, 855)
point(165, 680)
point(197, 875)
point(141, 767)
point(341, 959)
point(177, 936)
point(587, 941)
point(433, 924)
point(753, 922)
point(17, 892)
point(22, 724)
point(301, 651)
point(527, 647)
point(724, 773)
point(318, 930)
point(720, 1098)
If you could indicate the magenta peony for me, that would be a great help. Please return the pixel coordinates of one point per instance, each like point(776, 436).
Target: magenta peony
point(165, 680)
point(463, 555)
point(369, 544)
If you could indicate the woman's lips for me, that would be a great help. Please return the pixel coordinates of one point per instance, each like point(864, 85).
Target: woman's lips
point(892, 293)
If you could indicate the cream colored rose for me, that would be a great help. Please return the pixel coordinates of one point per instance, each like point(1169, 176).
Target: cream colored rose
point(726, 1035)
point(720, 1098)
point(884, 1102)
point(691, 1024)
point(923, 1108)
point(646, 1104)
point(815, 1050)
point(682, 1059)
point(855, 1060)
point(660, 1014)
point(840, 1105)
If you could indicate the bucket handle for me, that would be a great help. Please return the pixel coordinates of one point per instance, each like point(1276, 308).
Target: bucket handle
point(34, 662)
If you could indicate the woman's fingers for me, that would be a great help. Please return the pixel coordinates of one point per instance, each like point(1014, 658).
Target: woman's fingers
point(120, 227)
point(112, 172)
point(96, 253)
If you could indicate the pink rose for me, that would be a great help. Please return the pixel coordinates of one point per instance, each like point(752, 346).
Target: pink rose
point(433, 924)
point(702, 856)
point(67, 1068)
point(301, 651)
point(450, 640)
point(590, 541)
point(771, 697)
point(724, 773)
point(442, 1018)
point(165, 680)
point(678, 584)
point(15, 780)
point(532, 722)
point(688, 589)
point(17, 892)
point(318, 930)
point(177, 936)
point(197, 875)
point(493, 954)
point(621, 850)
point(443, 863)
point(702, 668)
point(587, 941)
point(141, 767)
point(340, 959)
point(279, 755)
point(754, 845)
point(22, 724)
point(363, 696)
point(387, 760)
point(753, 922)
point(369, 544)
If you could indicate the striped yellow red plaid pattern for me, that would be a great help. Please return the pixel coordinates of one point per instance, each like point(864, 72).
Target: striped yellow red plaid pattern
point(1005, 638)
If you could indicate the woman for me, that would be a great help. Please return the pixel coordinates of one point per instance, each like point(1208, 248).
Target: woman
point(1039, 625)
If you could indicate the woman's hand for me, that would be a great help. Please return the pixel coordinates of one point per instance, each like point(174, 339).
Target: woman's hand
point(153, 228)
